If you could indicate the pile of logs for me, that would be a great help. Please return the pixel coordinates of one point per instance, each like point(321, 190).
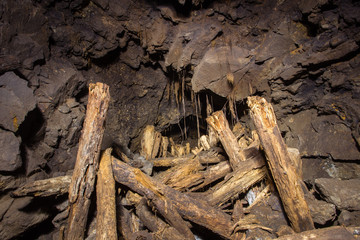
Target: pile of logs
point(187, 187)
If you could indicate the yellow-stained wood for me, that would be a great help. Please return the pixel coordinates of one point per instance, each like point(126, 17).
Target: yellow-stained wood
point(83, 178)
point(207, 157)
point(218, 122)
point(175, 175)
point(156, 147)
point(56, 186)
point(166, 199)
point(147, 141)
point(280, 164)
point(106, 203)
point(212, 174)
point(249, 173)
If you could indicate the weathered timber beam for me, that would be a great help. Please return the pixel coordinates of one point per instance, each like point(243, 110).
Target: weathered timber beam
point(105, 200)
point(238, 181)
point(207, 157)
point(280, 163)
point(161, 195)
point(44, 188)
point(183, 175)
point(212, 174)
point(218, 122)
point(83, 178)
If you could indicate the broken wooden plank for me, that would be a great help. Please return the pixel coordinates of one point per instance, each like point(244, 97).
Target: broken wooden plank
point(221, 126)
point(330, 233)
point(56, 186)
point(105, 200)
point(281, 165)
point(162, 195)
point(83, 178)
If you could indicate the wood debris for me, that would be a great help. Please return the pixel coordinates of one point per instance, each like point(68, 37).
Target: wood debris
point(186, 190)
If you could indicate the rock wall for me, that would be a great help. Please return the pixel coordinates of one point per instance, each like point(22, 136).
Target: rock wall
point(157, 56)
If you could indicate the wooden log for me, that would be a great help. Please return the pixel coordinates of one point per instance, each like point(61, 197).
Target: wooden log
point(281, 166)
point(105, 203)
point(160, 229)
point(161, 195)
point(330, 233)
point(221, 126)
point(44, 188)
point(179, 177)
point(212, 174)
point(83, 178)
point(238, 181)
point(207, 157)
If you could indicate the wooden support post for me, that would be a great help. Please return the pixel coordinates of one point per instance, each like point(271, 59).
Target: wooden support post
point(221, 126)
point(165, 197)
point(105, 195)
point(83, 178)
point(280, 163)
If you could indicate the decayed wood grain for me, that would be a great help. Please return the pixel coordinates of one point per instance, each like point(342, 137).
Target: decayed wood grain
point(83, 178)
point(207, 157)
point(147, 141)
point(281, 166)
point(44, 188)
point(212, 174)
point(218, 122)
point(105, 195)
point(238, 181)
point(164, 198)
point(330, 233)
point(182, 175)
point(160, 229)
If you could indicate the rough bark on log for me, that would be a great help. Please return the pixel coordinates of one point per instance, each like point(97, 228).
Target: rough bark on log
point(105, 195)
point(160, 229)
point(221, 126)
point(44, 188)
point(280, 163)
point(162, 195)
point(330, 233)
point(83, 178)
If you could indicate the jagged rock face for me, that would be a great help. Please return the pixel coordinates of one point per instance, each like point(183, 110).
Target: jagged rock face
point(302, 56)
